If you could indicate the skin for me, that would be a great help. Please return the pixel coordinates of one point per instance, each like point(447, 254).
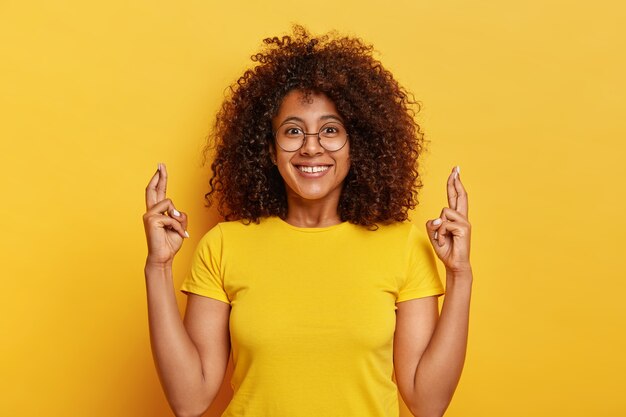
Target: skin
point(429, 350)
point(191, 355)
point(311, 202)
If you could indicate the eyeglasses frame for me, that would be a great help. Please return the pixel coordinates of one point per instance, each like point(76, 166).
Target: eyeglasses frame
point(319, 139)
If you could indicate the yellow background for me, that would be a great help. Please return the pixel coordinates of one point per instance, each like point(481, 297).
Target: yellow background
point(527, 97)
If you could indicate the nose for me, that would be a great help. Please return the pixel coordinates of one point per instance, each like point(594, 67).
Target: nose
point(311, 145)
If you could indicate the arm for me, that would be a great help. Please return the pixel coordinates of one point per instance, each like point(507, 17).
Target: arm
point(190, 358)
point(431, 349)
point(429, 352)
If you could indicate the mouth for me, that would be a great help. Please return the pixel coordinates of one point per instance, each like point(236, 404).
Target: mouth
point(312, 171)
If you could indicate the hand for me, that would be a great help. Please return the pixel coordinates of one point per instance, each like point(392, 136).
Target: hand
point(451, 236)
point(165, 226)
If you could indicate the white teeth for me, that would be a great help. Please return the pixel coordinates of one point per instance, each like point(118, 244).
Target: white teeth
point(313, 169)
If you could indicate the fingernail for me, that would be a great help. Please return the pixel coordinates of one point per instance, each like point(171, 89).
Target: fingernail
point(176, 212)
point(186, 234)
point(437, 222)
point(436, 234)
point(159, 167)
point(458, 171)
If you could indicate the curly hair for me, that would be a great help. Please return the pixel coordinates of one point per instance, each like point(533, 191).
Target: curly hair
point(385, 141)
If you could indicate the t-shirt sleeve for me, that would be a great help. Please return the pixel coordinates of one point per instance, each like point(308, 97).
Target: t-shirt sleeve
point(205, 275)
point(421, 278)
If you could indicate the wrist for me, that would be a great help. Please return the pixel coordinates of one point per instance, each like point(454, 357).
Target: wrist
point(459, 267)
point(460, 274)
point(158, 275)
point(152, 266)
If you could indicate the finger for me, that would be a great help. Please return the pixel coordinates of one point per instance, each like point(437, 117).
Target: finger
point(151, 194)
point(444, 211)
point(441, 234)
point(161, 187)
point(432, 227)
point(446, 230)
point(462, 201)
point(181, 217)
point(167, 206)
point(171, 223)
point(452, 194)
point(164, 206)
point(454, 215)
point(452, 229)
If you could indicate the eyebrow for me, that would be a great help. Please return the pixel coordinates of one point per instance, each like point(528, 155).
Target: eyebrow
point(324, 117)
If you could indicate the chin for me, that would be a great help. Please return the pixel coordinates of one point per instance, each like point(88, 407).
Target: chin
point(315, 193)
point(311, 195)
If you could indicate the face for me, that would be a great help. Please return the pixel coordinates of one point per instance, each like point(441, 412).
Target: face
point(329, 169)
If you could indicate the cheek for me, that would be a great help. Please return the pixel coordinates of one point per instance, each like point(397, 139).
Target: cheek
point(284, 166)
point(344, 165)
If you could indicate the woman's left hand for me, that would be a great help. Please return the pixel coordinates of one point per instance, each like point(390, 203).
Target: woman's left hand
point(450, 233)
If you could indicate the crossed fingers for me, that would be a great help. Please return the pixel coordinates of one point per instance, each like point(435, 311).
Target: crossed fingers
point(457, 209)
point(457, 196)
point(157, 187)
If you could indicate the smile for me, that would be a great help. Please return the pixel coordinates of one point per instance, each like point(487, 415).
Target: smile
point(313, 169)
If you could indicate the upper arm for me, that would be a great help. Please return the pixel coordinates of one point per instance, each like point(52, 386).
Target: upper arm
point(206, 321)
point(416, 320)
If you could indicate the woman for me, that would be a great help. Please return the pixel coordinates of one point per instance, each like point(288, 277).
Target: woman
point(316, 278)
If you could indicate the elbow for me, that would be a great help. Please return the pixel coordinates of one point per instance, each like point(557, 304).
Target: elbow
point(194, 404)
point(188, 412)
point(422, 413)
point(431, 409)
point(185, 414)
point(430, 404)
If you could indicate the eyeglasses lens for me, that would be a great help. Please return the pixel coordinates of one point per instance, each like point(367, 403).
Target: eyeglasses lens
point(291, 137)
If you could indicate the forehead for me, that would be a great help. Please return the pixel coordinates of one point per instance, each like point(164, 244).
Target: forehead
point(309, 107)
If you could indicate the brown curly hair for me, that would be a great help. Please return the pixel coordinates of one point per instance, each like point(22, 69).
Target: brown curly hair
point(385, 141)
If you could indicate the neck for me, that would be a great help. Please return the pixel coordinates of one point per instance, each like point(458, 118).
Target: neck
point(312, 213)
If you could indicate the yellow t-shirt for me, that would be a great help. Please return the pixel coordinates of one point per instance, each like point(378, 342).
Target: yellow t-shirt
point(313, 312)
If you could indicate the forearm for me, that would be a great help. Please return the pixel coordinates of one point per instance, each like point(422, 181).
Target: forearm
point(176, 357)
point(439, 369)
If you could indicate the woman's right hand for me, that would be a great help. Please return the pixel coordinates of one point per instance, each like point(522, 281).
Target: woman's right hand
point(165, 226)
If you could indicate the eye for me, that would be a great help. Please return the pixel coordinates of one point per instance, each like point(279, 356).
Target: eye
point(292, 131)
point(331, 130)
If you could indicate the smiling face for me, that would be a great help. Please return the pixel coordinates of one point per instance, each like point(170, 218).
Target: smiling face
point(311, 173)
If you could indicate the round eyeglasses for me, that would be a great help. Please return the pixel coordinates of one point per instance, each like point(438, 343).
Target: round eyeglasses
point(290, 137)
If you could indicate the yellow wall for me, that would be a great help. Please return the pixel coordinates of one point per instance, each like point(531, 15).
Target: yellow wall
point(527, 97)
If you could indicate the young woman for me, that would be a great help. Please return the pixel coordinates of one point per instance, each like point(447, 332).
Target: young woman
point(316, 280)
